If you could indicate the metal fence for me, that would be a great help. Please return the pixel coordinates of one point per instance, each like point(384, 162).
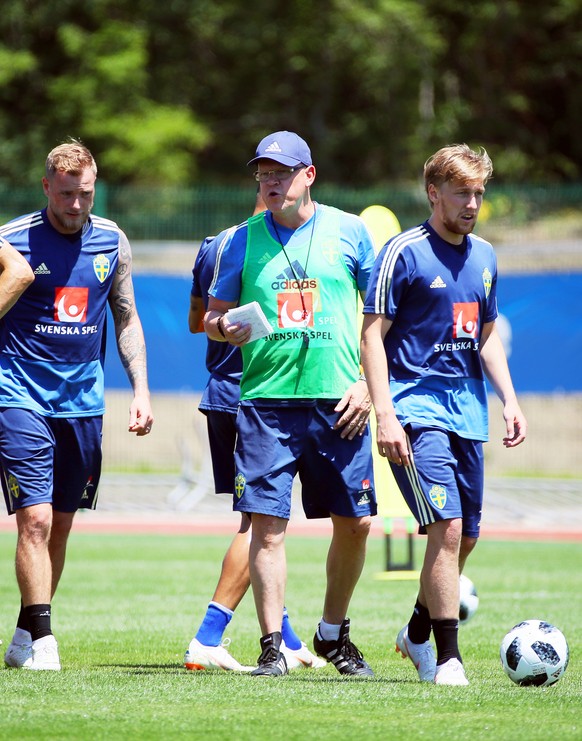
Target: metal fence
point(169, 213)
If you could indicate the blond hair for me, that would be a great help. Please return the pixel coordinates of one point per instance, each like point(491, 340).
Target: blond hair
point(457, 162)
point(71, 157)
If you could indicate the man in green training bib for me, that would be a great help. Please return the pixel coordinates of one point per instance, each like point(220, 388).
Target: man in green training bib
point(304, 407)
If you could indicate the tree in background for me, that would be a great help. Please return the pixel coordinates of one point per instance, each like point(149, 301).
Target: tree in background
point(84, 70)
point(178, 92)
point(512, 70)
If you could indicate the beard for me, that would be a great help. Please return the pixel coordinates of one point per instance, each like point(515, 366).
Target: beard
point(70, 224)
point(459, 226)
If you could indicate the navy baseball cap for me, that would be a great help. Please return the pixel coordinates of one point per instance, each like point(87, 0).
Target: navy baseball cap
point(285, 147)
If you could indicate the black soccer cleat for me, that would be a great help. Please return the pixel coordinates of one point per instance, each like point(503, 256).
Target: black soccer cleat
point(343, 654)
point(271, 662)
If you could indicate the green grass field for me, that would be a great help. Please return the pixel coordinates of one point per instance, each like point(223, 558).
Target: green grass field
point(128, 606)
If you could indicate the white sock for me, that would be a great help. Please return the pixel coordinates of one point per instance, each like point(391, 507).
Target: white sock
point(218, 606)
point(45, 639)
point(329, 631)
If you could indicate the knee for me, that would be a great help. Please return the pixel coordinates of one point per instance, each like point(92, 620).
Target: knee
point(34, 526)
point(454, 528)
point(446, 534)
point(61, 527)
point(355, 529)
point(362, 527)
point(267, 532)
point(467, 545)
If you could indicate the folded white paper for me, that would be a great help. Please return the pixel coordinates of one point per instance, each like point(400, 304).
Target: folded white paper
point(251, 314)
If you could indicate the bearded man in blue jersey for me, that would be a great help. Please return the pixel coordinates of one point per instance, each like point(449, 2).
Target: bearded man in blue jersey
point(428, 341)
point(52, 345)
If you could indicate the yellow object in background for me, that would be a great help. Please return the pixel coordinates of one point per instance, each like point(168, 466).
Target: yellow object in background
point(383, 224)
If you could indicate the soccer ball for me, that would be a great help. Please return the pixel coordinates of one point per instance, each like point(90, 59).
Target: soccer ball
point(534, 653)
point(469, 601)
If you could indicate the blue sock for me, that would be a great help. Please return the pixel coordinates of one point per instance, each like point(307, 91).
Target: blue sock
point(214, 624)
point(290, 637)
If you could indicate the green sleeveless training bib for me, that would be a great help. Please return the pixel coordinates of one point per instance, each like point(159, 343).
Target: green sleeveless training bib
point(313, 352)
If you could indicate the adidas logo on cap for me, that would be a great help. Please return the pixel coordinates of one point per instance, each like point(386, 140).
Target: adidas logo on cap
point(285, 147)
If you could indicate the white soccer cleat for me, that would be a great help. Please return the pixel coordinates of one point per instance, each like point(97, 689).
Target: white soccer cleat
point(421, 655)
point(45, 655)
point(199, 657)
point(18, 655)
point(452, 673)
point(302, 658)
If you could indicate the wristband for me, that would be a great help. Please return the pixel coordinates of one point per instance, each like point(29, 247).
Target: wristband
point(219, 325)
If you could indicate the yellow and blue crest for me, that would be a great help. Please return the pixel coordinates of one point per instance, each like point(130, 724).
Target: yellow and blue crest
point(13, 487)
point(438, 495)
point(331, 253)
point(487, 280)
point(239, 485)
point(101, 267)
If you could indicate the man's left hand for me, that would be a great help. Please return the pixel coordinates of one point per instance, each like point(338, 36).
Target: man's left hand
point(140, 416)
point(355, 407)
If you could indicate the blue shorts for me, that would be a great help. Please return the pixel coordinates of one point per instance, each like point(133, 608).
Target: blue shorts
point(444, 480)
point(222, 439)
point(275, 443)
point(49, 460)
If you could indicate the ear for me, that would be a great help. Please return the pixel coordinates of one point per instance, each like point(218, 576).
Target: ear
point(433, 193)
point(310, 174)
point(45, 186)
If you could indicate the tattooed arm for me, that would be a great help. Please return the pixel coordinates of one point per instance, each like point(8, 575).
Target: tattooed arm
point(130, 341)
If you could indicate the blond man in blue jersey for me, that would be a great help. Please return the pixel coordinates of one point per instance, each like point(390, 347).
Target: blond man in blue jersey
point(428, 342)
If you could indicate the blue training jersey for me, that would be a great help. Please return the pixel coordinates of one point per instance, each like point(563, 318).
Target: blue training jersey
point(438, 296)
point(52, 341)
point(223, 360)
